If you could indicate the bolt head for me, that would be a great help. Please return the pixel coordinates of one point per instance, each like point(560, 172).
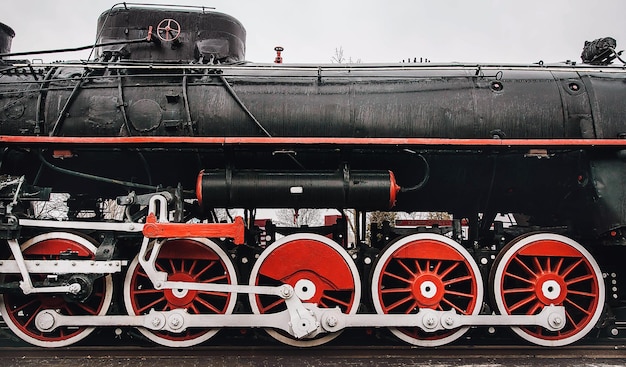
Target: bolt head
point(332, 321)
point(557, 320)
point(429, 321)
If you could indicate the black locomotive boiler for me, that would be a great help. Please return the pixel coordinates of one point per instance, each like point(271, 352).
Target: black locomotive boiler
point(169, 124)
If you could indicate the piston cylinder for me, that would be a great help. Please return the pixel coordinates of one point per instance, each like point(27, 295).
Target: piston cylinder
point(364, 190)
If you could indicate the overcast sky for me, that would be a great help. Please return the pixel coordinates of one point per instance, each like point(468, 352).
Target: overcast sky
point(516, 31)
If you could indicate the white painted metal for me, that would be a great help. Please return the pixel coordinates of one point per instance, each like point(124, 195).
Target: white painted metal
point(329, 320)
point(62, 266)
point(96, 226)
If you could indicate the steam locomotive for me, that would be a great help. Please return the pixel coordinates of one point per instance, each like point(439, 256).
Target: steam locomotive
point(169, 124)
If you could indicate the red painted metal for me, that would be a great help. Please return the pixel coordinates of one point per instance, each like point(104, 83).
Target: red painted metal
point(309, 260)
point(290, 261)
point(235, 230)
point(394, 189)
point(304, 141)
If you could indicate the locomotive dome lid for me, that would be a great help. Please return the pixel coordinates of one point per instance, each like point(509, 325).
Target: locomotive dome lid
point(179, 34)
point(6, 37)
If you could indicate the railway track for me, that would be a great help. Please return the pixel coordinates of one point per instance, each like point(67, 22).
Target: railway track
point(597, 355)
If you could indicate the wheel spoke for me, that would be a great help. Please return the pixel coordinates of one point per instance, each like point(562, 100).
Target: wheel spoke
point(454, 306)
point(395, 290)
point(533, 310)
point(192, 268)
point(449, 270)
point(571, 320)
point(393, 275)
point(581, 293)
point(458, 280)
point(460, 294)
point(417, 266)
point(337, 300)
point(204, 270)
point(271, 306)
point(208, 305)
point(580, 279)
point(31, 319)
point(398, 303)
point(517, 277)
point(87, 309)
point(406, 268)
point(148, 291)
point(522, 302)
point(518, 290)
point(537, 265)
point(411, 308)
point(151, 304)
point(172, 266)
point(570, 268)
point(437, 268)
point(24, 306)
point(216, 279)
point(577, 306)
point(525, 267)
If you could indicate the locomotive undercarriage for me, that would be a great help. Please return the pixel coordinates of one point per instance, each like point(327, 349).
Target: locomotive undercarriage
point(175, 273)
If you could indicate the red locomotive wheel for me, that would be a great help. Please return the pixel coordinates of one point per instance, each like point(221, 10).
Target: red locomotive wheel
point(320, 271)
point(426, 271)
point(185, 260)
point(19, 310)
point(543, 269)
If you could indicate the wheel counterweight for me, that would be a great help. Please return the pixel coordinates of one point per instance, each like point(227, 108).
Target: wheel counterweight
point(19, 310)
point(426, 271)
point(320, 271)
point(537, 270)
point(185, 260)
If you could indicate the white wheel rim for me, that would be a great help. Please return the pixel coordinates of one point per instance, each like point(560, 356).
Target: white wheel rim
point(427, 289)
point(548, 288)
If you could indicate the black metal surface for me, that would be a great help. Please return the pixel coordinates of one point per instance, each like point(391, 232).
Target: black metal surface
point(448, 102)
point(265, 189)
point(6, 37)
point(196, 33)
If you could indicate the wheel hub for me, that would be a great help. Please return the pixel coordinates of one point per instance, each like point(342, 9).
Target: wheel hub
point(180, 298)
point(305, 289)
point(428, 290)
point(551, 289)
